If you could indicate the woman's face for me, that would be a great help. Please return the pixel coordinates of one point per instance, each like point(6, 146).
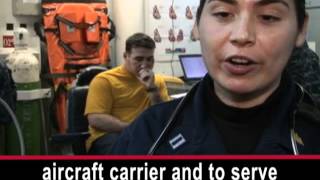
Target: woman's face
point(246, 45)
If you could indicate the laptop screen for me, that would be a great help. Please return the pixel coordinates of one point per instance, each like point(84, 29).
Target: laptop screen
point(193, 66)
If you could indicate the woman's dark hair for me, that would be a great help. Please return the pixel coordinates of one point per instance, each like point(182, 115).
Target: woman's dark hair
point(139, 40)
point(299, 4)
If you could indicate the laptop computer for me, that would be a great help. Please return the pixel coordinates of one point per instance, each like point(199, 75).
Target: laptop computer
point(193, 68)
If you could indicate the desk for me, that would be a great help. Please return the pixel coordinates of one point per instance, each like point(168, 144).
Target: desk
point(177, 91)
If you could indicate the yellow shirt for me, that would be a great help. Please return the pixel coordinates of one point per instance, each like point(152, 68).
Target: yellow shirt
point(119, 93)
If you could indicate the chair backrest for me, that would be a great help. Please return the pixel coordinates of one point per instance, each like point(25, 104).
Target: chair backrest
point(77, 122)
point(77, 97)
point(85, 77)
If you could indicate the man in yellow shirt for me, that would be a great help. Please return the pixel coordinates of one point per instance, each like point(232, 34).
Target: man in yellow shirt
point(117, 96)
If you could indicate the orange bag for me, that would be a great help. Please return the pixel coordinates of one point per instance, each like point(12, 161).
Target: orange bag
point(77, 35)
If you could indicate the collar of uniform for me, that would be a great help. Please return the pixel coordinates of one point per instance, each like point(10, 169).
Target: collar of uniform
point(275, 139)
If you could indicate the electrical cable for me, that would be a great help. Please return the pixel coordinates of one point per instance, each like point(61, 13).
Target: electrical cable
point(16, 124)
point(172, 47)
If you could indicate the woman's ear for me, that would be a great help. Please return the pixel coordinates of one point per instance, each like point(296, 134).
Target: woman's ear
point(303, 32)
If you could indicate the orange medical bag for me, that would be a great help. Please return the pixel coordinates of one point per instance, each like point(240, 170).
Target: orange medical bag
point(77, 35)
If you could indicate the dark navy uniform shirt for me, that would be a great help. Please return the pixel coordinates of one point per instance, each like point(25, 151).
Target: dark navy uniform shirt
point(194, 132)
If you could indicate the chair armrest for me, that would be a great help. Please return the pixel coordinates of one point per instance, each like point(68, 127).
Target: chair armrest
point(69, 138)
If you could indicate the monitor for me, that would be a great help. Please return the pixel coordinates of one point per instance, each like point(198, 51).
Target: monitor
point(193, 66)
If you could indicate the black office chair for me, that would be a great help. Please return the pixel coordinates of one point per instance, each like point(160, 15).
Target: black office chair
point(77, 131)
point(84, 78)
point(77, 122)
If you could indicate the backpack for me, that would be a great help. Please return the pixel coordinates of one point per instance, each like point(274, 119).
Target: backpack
point(76, 34)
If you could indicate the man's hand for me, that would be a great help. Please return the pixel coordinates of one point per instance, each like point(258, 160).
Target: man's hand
point(146, 77)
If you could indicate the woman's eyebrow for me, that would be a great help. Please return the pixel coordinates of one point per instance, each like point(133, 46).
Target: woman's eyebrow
point(260, 3)
point(267, 2)
point(225, 1)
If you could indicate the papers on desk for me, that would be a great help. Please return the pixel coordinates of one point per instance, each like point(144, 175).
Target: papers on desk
point(176, 96)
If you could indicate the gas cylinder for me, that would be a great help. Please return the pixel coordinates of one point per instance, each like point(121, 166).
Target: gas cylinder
point(25, 69)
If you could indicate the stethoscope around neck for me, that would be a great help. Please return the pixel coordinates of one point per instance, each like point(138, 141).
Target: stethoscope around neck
point(174, 117)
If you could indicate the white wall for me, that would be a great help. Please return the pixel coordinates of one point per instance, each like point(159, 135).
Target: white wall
point(128, 16)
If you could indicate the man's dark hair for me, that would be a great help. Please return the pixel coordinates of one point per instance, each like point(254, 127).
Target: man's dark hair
point(299, 4)
point(139, 40)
